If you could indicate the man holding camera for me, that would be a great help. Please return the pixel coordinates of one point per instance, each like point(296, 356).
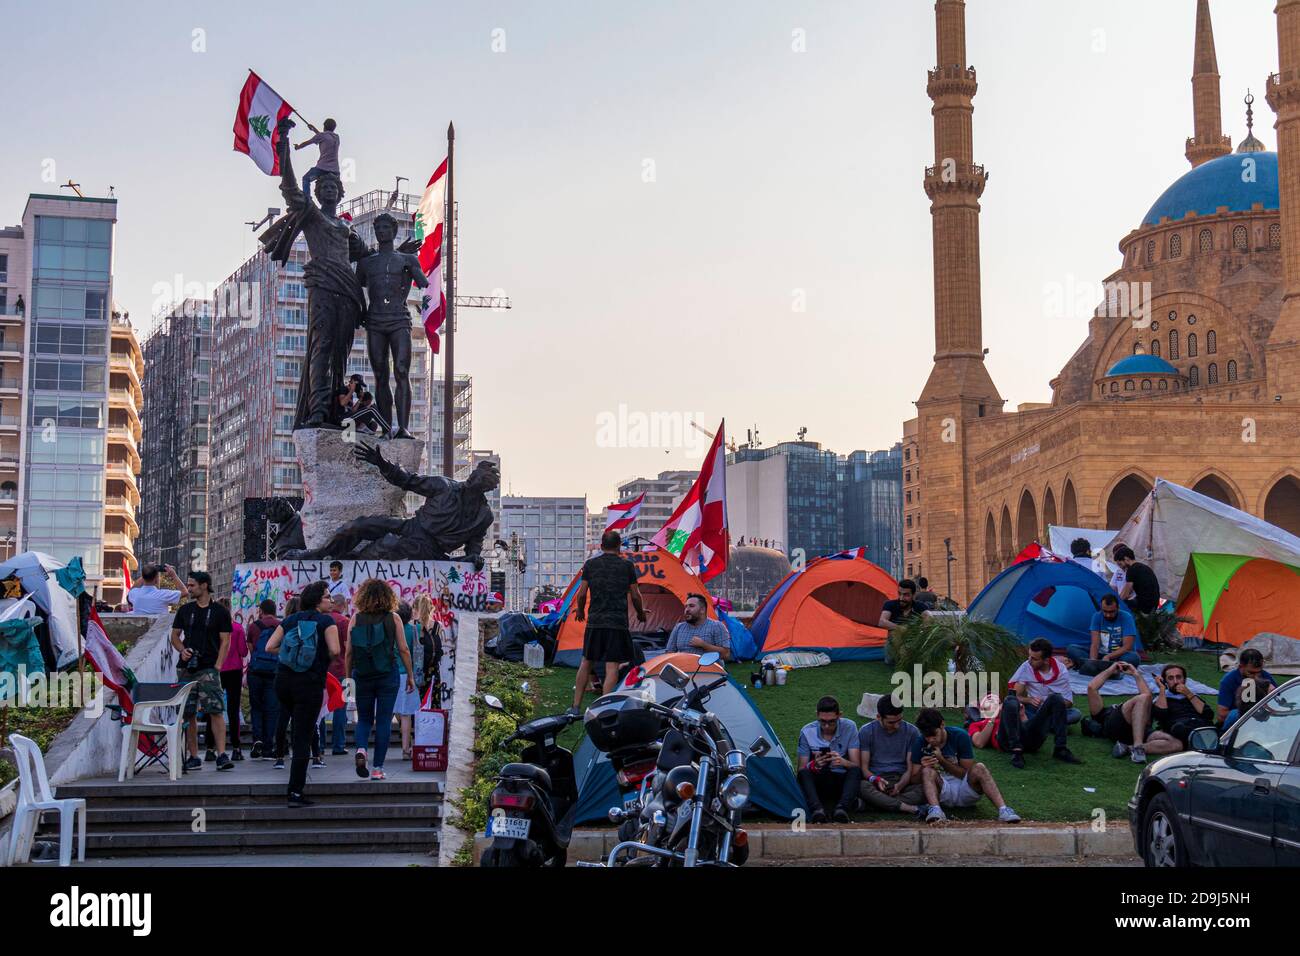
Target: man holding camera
point(201, 635)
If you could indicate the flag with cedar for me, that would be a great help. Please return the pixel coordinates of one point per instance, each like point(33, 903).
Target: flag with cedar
point(623, 513)
point(257, 119)
point(697, 531)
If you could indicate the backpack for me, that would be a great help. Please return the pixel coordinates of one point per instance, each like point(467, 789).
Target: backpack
point(262, 661)
point(298, 651)
point(373, 648)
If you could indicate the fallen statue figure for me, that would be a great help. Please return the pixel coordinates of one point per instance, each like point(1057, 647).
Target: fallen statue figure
point(454, 514)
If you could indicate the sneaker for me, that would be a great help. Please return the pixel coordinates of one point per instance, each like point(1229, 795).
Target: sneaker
point(1018, 760)
point(1119, 750)
point(936, 815)
point(297, 800)
point(224, 762)
point(279, 763)
point(1065, 756)
point(362, 771)
point(1138, 755)
point(841, 815)
point(192, 763)
point(317, 763)
point(1007, 815)
point(237, 755)
point(378, 774)
point(340, 751)
point(210, 756)
point(256, 753)
point(818, 816)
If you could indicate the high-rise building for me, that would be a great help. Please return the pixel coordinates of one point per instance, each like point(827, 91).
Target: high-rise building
point(462, 423)
point(494, 498)
point(553, 533)
point(872, 485)
point(69, 433)
point(174, 481)
point(259, 339)
point(786, 496)
point(662, 496)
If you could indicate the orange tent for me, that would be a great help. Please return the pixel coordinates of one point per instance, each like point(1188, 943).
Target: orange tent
point(833, 605)
point(1233, 597)
point(664, 584)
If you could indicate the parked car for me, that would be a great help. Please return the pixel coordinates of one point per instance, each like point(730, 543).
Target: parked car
point(1226, 801)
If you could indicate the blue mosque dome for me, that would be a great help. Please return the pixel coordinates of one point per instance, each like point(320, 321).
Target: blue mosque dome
point(1220, 182)
point(1142, 365)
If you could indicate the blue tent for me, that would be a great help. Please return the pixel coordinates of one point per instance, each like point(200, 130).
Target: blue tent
point(773, 786)
point(1051, 599)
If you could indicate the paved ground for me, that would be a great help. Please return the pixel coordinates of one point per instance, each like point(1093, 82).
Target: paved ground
point(358, 860)
point(963, 861)
point(336, 770)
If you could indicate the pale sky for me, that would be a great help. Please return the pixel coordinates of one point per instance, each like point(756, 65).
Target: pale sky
point(779, 177)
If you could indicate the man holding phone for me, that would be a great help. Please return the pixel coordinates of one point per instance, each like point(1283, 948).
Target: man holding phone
point(1177, 711)
point(828, 762)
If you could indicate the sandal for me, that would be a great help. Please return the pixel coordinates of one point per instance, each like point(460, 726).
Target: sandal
point(406, 755)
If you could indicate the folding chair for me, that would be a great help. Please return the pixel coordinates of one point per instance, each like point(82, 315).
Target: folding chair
point(165, 734)
point(34, 798)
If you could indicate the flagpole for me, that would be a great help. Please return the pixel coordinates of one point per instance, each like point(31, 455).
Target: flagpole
point(449, 361)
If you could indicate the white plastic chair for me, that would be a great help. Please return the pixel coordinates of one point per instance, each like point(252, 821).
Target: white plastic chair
point(144, 721)
point(35, 797)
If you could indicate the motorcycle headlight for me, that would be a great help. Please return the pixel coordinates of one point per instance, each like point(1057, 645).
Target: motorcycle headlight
point(735, 792)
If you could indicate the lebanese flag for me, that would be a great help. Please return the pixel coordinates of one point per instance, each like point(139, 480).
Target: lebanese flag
point(429, 218)
point(697, 531)
point(108, 662)
point(256, 121)
point(126, 576)
point(622, 515)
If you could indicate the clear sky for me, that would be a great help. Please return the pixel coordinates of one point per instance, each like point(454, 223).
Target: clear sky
point(708, 209)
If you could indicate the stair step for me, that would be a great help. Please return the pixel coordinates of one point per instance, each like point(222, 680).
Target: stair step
point(314, 840)
point(183, 791)
point(347, 815)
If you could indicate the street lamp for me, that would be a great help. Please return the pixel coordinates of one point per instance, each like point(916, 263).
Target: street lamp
point(947, 546)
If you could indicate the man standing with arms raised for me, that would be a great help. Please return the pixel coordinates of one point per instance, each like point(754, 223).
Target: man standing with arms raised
point(610, 579)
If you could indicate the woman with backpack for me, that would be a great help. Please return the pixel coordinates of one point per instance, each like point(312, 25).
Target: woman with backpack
point(263, 708)
point(305, 642)
point(376, 650)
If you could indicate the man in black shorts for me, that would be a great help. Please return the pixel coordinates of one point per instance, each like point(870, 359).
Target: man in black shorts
point(611, 580)
point(1177, 711)
point(1125, 724)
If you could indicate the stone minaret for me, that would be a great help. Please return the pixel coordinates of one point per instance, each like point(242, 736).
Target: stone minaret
point(959, 388)
point(1209, 141)
point(1282, 352)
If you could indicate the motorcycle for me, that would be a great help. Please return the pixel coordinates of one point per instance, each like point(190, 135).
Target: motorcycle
point(690, 814)
point(530, 817)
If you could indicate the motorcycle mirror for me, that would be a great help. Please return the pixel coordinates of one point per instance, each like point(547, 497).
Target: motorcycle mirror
point(673, 677)
point(493, 702)
point(709, 659)
point(759, 747)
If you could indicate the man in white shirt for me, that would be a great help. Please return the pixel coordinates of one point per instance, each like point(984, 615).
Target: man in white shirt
point(148, 598)
point(1040, 706)
point(337, 587)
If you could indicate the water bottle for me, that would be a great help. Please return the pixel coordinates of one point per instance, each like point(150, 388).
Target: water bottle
point(534, 656)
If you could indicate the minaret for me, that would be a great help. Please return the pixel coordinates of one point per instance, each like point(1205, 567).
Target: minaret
point(1282, 352)
point(959, 388)
point(1209, 142)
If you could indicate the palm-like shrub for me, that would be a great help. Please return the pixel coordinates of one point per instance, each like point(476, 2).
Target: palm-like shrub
point(972, 646)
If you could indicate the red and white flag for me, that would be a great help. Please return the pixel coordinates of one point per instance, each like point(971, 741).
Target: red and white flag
point(429, 218)
point(622, 514)
point(126, 576)
point(256, 123)
point(697, 531)
point(104, 657)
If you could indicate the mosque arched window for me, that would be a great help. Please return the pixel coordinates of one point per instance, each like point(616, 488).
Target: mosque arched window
point(1211, 342)
point(1212, 374)
point(1175, 246)
point(1191, 345)
point(1193, 376)
point(1164, 385)
point(1128, 385)
point(1155, 347)
point(1240, 239)
point(1151, 250)
point(1232, 370)
point(1114, 386)
point(1137, 348)
point(1207, 240)
point(1146, 384)
point(1173, 344)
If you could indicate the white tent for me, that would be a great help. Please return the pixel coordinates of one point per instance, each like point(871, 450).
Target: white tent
point(1060, 538)
point(36, 572)
point(1174, 521)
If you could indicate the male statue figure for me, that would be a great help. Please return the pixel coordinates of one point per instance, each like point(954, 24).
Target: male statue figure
point(387, 275)
point(454, 513)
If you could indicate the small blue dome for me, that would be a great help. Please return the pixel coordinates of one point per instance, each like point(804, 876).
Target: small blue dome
point(1142, 365)
point(1220, 182)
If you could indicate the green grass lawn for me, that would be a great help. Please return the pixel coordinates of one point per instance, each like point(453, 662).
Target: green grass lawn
point(1046, 790)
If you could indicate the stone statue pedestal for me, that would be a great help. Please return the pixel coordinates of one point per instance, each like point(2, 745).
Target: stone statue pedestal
point(337, 488)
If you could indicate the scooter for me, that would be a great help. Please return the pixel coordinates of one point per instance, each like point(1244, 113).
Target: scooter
point(530, 817)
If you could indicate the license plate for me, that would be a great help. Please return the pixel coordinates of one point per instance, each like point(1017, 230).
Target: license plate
point(511, 828)
point(632, 802)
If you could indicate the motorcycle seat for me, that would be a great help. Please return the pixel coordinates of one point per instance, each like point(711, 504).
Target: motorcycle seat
point(528, 771)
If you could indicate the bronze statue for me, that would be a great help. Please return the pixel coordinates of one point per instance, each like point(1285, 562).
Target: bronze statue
point(387, 274)
point(454, 513)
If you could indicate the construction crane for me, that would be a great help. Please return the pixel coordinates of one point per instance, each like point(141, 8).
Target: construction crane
point(271, 213)
point(731, 445)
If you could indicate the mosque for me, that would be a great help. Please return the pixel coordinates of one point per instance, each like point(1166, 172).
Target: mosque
point(1190, 370)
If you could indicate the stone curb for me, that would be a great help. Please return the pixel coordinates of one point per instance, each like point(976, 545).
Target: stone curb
point(829, 842)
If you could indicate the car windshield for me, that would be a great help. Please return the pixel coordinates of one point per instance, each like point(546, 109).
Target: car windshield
point(1270, 732)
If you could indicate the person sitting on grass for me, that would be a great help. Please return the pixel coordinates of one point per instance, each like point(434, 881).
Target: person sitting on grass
point(944, 761)
point(1235, 695)
point(982, 722)
point(1039, 707)
point(1114, 634)
point(883, 748)
point(1177, 712)
point(1125, 724)
point(828, 762)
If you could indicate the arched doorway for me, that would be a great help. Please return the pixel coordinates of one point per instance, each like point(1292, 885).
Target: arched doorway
point(990, 546)
point(1008, 544)
point(1212, 486)
point(1069, 506)
point(1049, 510)
point(1282, 506)
point(1125, 498)
point(1026, 522)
